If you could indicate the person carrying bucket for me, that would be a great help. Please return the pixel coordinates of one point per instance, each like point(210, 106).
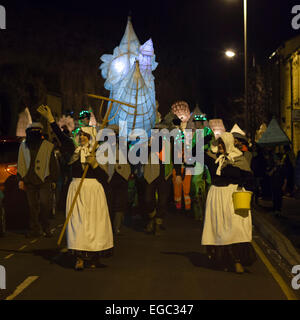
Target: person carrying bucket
point(226, 234)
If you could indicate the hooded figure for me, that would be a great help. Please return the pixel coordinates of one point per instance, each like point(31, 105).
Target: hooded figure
point(37, 170)
point(227, 234)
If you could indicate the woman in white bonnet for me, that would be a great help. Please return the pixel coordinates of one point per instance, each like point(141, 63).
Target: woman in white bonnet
point(89, 230)
point(226, 234)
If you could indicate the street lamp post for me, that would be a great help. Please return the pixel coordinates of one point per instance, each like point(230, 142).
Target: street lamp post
point(246, 69)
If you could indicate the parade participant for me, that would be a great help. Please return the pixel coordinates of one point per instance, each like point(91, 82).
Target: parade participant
point(89, 230)
point(201, 179)
point(182, 177)
point(84, 122)
point(226, 234)
point(241, 142)
point(158, 181)
point(117, 191)
point(37, 171)
point(66, 147)
point(84, 118)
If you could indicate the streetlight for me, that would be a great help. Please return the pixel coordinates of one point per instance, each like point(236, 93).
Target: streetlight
point(245, 66)
point(230, 54)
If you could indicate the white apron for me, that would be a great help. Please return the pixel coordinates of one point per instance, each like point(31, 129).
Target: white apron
point(89, 228)
point(221, 225)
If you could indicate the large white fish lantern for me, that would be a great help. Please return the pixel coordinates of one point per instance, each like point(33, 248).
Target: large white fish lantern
point(128, 74)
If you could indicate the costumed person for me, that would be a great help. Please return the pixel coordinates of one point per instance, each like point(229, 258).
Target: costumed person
point(66, 147)
point(117, 189)
point(158, 115)
point(136, 190)
point(182, 177)
point(89, 230)
point(37, 172)
point(158, 184)
point(241, 142)
point(201, 179)
point(84, 122)
point(226, 234)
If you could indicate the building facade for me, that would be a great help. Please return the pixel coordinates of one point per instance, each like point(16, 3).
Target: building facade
point(286, 89)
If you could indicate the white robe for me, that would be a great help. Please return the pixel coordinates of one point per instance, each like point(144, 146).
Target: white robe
point(222, 226)
point(89, 228)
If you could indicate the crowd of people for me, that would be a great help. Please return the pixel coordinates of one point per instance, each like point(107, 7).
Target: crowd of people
point(109, 191)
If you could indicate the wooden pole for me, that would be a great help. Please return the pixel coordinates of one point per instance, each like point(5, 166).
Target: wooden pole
point(82, 178)
point(111, 100)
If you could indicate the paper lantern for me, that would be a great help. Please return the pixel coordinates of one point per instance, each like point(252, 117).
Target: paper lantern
point(181, 110)
point(128, 74)
point(217, 127)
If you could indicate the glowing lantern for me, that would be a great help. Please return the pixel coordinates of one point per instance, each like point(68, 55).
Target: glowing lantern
point(181, 110)
point(217, 127)
point(128, 74)
point(23, 122)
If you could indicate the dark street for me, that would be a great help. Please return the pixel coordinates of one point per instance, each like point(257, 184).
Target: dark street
point(172, 266)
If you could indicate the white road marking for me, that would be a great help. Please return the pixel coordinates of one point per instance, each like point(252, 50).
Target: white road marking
point(22, 248)
point(33, 241)
point(27, 282)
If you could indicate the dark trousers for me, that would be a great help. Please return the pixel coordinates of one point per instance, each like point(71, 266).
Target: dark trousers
point(39, 201)
point(257, 188)
point(117, 196)
point(163, 189)
point(277, 198)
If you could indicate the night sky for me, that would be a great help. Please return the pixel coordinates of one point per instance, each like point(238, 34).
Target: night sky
point(189, 37)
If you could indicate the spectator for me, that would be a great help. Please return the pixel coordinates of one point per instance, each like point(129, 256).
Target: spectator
point(258, 167)
point(278, 176)
point(297, 175)
point(287, 162)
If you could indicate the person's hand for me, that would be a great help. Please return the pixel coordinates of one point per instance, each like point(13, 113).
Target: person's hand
point(21, 185)
point(46, 113)
point(53, 185)
point(178, 180)
point(91, 160)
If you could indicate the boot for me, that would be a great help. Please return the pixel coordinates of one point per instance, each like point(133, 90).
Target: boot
point(238, 268)
point(158, 224)
point(79, 265)
point(118, 222)
point(150, 225)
